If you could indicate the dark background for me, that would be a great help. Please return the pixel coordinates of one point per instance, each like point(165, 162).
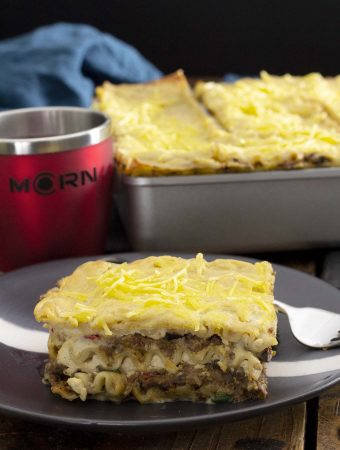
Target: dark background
point(204, 37)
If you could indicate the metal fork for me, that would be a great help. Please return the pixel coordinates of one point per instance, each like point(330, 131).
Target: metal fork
point(313, 327)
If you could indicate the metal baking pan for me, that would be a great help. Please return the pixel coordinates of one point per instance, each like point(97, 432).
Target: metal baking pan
point(240, 213)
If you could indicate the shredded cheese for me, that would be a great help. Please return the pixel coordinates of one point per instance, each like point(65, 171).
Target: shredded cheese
point(165, 294)
point(276, 120)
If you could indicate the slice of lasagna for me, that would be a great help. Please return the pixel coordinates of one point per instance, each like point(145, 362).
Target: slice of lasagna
point(161, 329)
point(277, 122)
point(159, 128)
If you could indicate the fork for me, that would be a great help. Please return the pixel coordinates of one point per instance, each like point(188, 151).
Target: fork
point(312, 327)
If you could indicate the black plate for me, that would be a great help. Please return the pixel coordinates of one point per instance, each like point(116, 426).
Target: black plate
point(22, 392)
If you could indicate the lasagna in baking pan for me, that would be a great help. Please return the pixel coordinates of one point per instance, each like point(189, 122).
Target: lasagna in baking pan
point(278, 122)
point(160, 329)
point(287, 122)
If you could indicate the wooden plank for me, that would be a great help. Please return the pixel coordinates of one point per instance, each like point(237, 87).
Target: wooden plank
point(202, 439)
point(18, 434)
point(328, 437)
point(281, 430)
point(328, 433)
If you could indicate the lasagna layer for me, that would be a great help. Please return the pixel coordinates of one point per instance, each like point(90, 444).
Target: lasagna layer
point(154, 370)
point(161, 328)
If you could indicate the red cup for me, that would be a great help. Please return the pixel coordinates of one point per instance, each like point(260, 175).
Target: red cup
point(56, 169)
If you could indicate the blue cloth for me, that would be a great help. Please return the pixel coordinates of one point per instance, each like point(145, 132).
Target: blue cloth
point(60, 64)
point(232, 77)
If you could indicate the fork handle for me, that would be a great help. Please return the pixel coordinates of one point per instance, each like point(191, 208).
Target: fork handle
point(283, 307)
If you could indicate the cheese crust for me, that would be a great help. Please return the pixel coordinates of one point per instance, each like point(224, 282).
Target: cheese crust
point(156, 295)
point(205, 326)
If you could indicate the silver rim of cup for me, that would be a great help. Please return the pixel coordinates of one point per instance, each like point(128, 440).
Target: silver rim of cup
point(51, 129)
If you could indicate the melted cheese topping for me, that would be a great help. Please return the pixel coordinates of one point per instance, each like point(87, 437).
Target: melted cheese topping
point(275, 121)
point(155, 295)
point(267, 123)
point(160, 125)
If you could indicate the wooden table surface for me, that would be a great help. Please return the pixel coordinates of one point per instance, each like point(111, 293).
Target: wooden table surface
point(314, 424)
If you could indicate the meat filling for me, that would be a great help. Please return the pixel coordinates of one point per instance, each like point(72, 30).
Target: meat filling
point(196, 381)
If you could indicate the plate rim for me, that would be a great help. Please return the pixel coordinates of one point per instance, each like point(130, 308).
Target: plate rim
point(172, 423)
